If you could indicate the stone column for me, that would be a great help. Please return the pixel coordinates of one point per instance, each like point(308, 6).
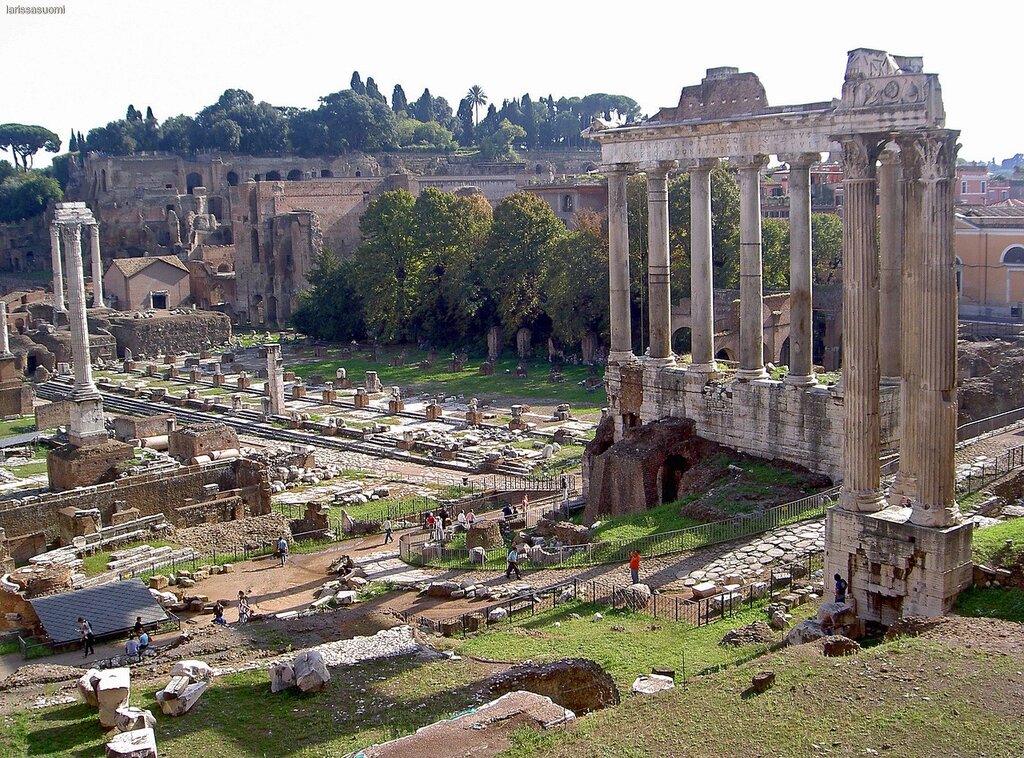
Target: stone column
point(929, 166)
point(702, 292)
point(659, 263)
point(5, 344)
point(58, 274)
point(801, 365)
point(751, 302)
point(97, 265)
point(890, 272)
point(861, 431)
point(621, 350)
point(71, 239)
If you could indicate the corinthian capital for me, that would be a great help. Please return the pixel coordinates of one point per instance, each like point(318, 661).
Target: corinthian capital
point(860, 153)
point(749, 162)
point(929, 156)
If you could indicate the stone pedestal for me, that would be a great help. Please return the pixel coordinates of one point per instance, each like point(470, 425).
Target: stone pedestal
point(195, 375)
point(243, 382)
point(372, 382)
point(128, 366)
point(395, 405)
point(172, 372)
point(170, 360)
point(329, 395)
point(361, 399)
point(475, 417)
point(15, 395)
point(896, 568)
point(298, 390)
point(434, 411)
point(218, 380)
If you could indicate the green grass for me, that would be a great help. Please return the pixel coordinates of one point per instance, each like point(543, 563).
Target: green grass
point(238, 716)
point(661, 518)
point(97, 562)
point(17, 426)
point(990, 543)
point(992, 602)
point(567, 459)
point(645, 643)
point(468, 382)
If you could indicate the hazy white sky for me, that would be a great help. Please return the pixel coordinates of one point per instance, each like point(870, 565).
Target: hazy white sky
point(83, 68)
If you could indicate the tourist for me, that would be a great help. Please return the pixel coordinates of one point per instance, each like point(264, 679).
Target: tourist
point(634, 566)
point(282, 550)
point(131, 649)
point(143, 645)
point(388, 537)
point(462, 520)
point(429, 522)
point(88, 638)
point(513, 564)
point(138, 625)
point(470, 518)
point(525, 503)
point(442, 516)
point(841, 586)
point(218, 613)
point(507, 511)
point(244, 610)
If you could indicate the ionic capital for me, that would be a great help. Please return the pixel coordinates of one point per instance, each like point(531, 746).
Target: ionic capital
point(800, 160)
point(749, 162)
point(700, 164)
point(658, 168)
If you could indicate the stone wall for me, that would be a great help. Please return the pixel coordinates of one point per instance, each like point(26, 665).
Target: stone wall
point(201, 439)
point(137, 427)
point(52, 415)
point(173, 333)
point(150, 493)
point(765, 418)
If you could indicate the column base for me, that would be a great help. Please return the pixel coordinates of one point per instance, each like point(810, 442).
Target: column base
point(862, 501)
point(801, 380)
point(660, 362)
point(751, 374)
point(703, 368)
point(940, 517)
point(621, 356)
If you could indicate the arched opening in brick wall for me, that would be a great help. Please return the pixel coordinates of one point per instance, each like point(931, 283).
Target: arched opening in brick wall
point(273, 176)
point(192, 181)
point(294, 175)
point(232, 178)
point(670, 475)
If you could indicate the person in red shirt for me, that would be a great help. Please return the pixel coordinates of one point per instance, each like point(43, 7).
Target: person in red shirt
point(634, 566)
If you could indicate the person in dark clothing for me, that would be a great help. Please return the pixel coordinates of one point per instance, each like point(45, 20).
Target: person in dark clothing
point(88, 638)
point(841, 587)
point(138, 626)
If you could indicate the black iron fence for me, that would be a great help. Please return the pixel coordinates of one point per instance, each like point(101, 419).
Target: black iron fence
point(983, 474)
point(776, 583)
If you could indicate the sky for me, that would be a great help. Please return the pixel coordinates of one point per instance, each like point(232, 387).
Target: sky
point(81, 69)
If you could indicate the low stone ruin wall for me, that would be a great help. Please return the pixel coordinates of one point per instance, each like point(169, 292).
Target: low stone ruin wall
point(179, 333)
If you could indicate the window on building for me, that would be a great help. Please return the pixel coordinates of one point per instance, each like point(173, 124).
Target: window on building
point(1013, 256)
point(983, 186)
point(963, 188)
point(567, 203)
point(158, 300)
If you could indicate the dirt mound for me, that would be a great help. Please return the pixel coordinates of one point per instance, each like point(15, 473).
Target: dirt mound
point(757, 633)
point(229, 535)
point(988, 635)
point(40, 673)
point(579, 684)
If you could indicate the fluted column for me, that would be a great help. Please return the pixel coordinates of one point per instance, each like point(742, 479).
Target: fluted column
point(751, 293)
point(861, 431)
point(97, 265)
point(618, 266)
point(801, 365)
point(702, 292)
point(71, 238)
point(58, 274)
point(5, 344)
point(659, 278)
point(890, 273)
point(929, 167)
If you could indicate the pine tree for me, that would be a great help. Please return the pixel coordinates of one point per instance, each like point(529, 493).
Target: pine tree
point(398, 101)
point(73, 143)
point(356, 84)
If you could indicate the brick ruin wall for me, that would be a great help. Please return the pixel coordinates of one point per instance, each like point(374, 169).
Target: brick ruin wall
point(150, 494)
point(178, 333)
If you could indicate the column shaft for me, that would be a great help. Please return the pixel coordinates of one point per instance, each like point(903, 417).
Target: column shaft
point(890, 347)
point(97, 265)
point(658, 264)
point(618, 268)
point(702, 305)
point(72, 241)
point(930, 163)
point(5, 344)
point(751, 292)
point(801, 368)
point(58, 274)
point(861, 432)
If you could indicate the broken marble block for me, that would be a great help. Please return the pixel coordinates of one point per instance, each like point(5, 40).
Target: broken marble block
point(87, 687)
point(139, 743)
point(197, 671)
point(130, 719)
point(282, 676)
point(180, 694)
point(311, 674)
point(112, 690)
point(649, 684)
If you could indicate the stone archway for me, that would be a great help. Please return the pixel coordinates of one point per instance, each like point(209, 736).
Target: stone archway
point(670, 476)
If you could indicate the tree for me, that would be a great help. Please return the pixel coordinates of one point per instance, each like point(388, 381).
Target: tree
point(386, 265)
point(27, 195)
point(149, 114)
point(113, 139)
point(515, 261)
point(775, 253)
point(357, 122)
point(225, 135)
point(476, 97)
point(827, 248)
point(73, 143)
point(499, 146)
point(308, 133)
point(332, 307)
point(264, 129)
point(576, 284)
point(529, 122)
point(398, 102)
point(356, 84)
point(177, 135)
point(25, 140)
point(423, 108)
point(132, 114)
point(373, 91)
point(465, 116)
